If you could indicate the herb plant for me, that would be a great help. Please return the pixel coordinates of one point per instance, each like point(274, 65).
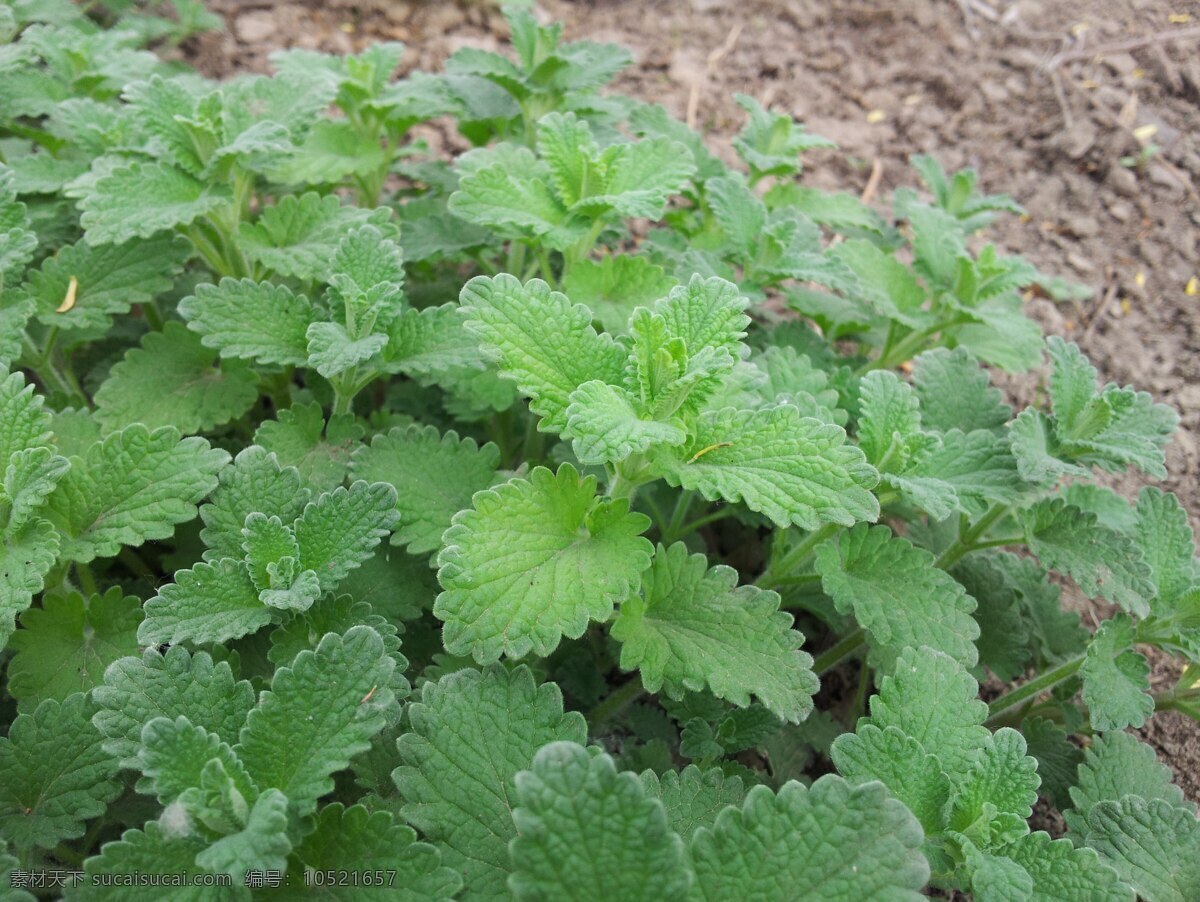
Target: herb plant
point(578, 517)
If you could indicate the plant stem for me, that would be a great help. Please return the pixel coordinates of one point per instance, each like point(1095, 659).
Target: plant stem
point(845, 647)
point(617, 701)
point(700, 522)
point(87, 582)
point(795, 557)
point(1034, 687)
point(683, 504)
point(966, 542)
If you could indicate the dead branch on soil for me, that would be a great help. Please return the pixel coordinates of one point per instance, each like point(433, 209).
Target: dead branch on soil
point(1155, 39)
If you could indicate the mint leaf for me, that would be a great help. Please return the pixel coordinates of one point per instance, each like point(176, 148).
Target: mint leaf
point(340, 529)
point(147, 851)
point(901, 763)
point(795, 470)
point(1117, 765)
point(211, 602)
point(26, 556)
point(1153, 845)
point(577, 556)
point(1002, 781)
point(251, 320)
point(1116, 679)
point(583, 827)
point(955, 393)
point(109, 280)
point(171, 380)
point(318, 714)
point(137, 690)
point(896, 593)
point(54, 775)
point(66, 644)
point(605, 426)
point(1103, 562)
point(301, 438)
point(435, 477)
point(778, 845)
point(543, 343)
point(371, 841)
point(613, 287)
point(134, 486)
point(143, 199)
point(1061, 871)
point(693, 798)
point(471, 733)
point(254, 482)
point(692, 627)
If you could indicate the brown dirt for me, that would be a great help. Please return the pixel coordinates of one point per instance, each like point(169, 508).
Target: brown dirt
point(1038, 98)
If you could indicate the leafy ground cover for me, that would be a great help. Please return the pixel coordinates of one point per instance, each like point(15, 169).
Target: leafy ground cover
point(489, 526)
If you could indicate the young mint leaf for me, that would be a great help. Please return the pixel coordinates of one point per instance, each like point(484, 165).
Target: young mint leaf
point(151, 850)
point(1062, 872)
point(779, 845)
point(1002, 334)
point(54, 775)
point(263, 844)
point(171, 685)
point(900, 763)
point(432, 345)
point(897, 595)
point(174, 756)
point(18, 241)
point(435, 477)
point(706, 313)
point(143, 199)
point(298, 235)
point(471, 733)
point(932, 698)
point(334, 150)
point(1103, 562)
point(693, 798)
point(211, 602)
point(543, 343)
point(692, 627)
point(371, 841)
point(585, 828)
point(66, 644)
point(577, 556)
point(1168, 546)
point(638, 179)
point(937, 244)
point(24, 421)
point(966, 471)
point(1037, 450)
point(26, 556)
point(516, 206)
point(340, 529)
point(109, 279)
point(255, 482)
point(301, 438)
point(956, 393)
point(1003, 781)
point(614, 286)
point(795, 470)
point(1058, 758)
point(1005, 645)
point(1117, 765)
point(769, 143)
point(251, 320)
point(1153, 845)
point(1116, 679)
point(889, 425)
point(1072, 382)
point(318, 714)
point(887, 285)
point(134, 486)
point(273, 560)
point(605, 427)
point(171, 380)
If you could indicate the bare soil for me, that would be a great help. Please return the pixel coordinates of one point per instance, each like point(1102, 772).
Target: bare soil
point(1053, 102)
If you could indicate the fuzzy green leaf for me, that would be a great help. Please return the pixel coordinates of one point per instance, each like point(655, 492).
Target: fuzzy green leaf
point(251, 320)
point(614, 286)
point(604, 426)
point(133, 487)
point(1153, 845)
point(543, 343)
point(211, 602)
point(1003, 780)
point(155, 849)
point(471, 733)
point(534, 560)
point(340, 529)
point(829, 841)
point(146, 198)
point(1062, 872)
point(435, 477)
point(301, 438)
point(956, 393)
point(66, 644)
point(693, 798)
point(26, 556)
point(254, 483)
point(796, 470)
point(356, 839)
point(171, 380)
point(318, 714)
point(1103, 562)
point(692, 627)
point(137, 690)
point(896, 593)
point(54, 775)
point(1116, 679)
point(261, 845)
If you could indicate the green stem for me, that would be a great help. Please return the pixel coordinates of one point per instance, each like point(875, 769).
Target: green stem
point(998, 543)
point(617, 701)
point(700, 522)
point(683, 504)
point(845, 647)
point(966, 542)
point(135, 564)
point(1035, 687)
point(790, 561)
point(804, 579)
point(87, 581)
point(547, 271)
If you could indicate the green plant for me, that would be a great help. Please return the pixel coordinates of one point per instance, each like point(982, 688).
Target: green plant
point(496, 532)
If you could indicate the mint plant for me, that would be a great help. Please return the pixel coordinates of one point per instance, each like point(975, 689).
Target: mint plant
point(579, 516)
